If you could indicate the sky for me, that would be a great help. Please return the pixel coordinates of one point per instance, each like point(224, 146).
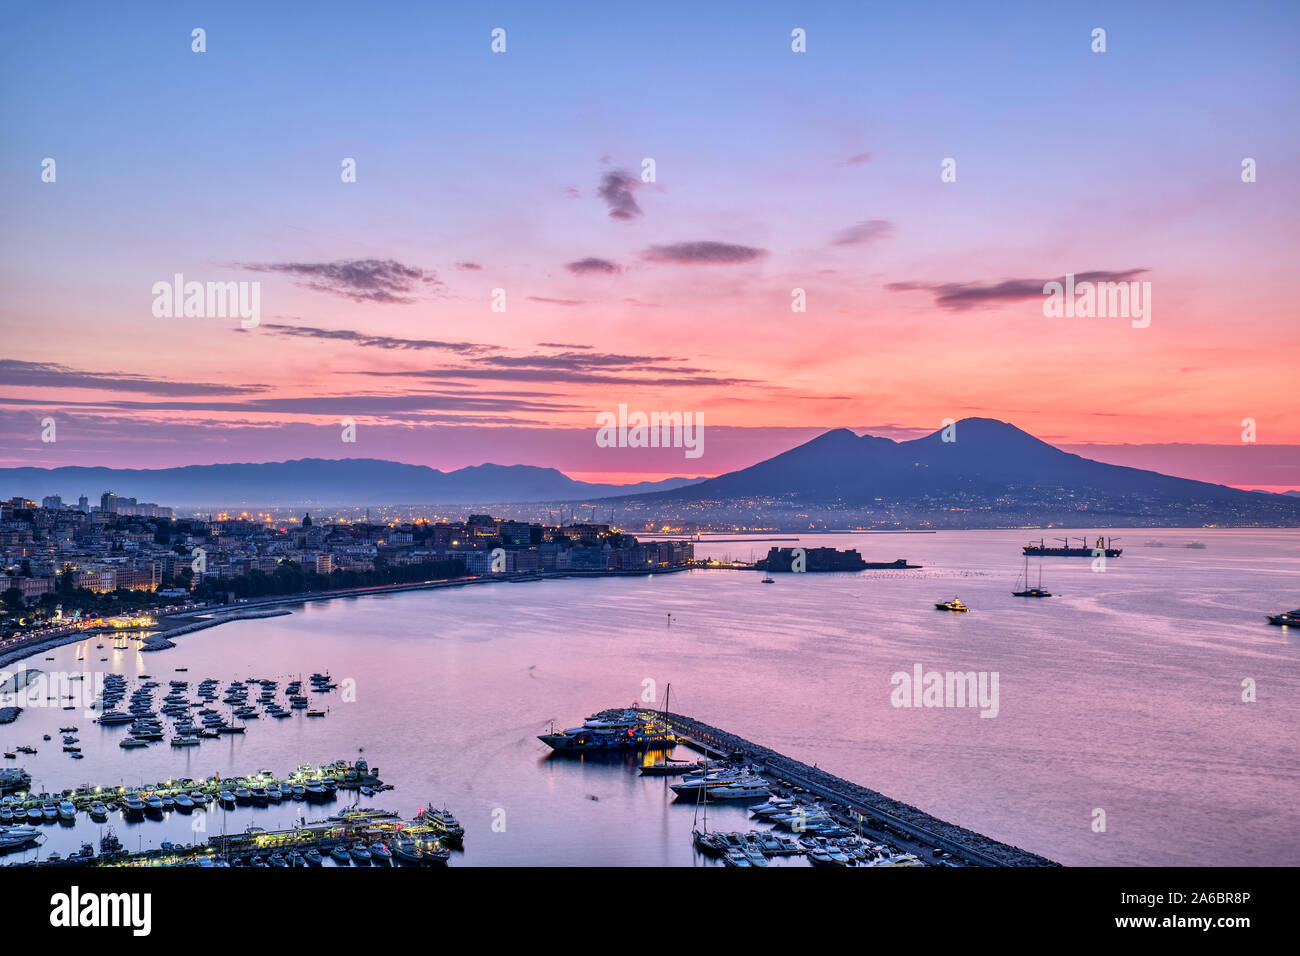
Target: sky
point(519, 176)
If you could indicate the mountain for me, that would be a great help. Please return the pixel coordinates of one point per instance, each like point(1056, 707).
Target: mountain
point(992, 473)
point(315, 481)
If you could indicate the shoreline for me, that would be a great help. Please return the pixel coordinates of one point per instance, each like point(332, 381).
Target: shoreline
point(225, 613)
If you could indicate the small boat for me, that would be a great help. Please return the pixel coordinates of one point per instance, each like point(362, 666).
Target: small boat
point(1286, 618)
point(360, 855)
point(184, 802)
point(98, 812)
point(404, 850)
point(50, 812)
point(128, 743)
point(954, 605)
point(133, 805)
point(154, 804)
point(341, 856)
point(313, 857)
point(67, 811)
point(10, 756)
point(380, 854)
point(767, 579)
point(227, 798)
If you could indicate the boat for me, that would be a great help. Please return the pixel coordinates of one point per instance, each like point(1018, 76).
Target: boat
point(313, 857)
point(341, 856)
point(184, 802)
point(1029, 592)
point(17, 837)
point(404, 850)
point(1103, 546)
point(114, 717)
point(954, 605)
point(49, 812)
point(133, 805)
point(614, 729)
point(360, 855)
point(98, 812)
point(227, 798)
point(381, 854)
point(670, 768)
point(1286, 618)
point(128, 743)
point(444, 824)
point(154, 804)
point(67, 811)
point(768, 579)
point(722, 785)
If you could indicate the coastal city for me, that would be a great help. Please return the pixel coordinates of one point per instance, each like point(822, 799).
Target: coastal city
point(90, 561)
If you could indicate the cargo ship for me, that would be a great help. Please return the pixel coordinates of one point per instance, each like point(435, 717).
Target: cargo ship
point(1103, 546)
point(616, 729)
point(825, 559)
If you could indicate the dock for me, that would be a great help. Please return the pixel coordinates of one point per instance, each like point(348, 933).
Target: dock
point(861, 807)
point(340, 774)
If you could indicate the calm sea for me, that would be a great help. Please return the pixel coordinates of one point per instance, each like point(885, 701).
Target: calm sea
point(1122, 693)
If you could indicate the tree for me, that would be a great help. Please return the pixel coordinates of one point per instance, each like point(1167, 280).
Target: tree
point(13, 599)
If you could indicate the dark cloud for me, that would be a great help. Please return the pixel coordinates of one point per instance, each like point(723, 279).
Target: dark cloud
point(361, 338)
point(592, 264)
point(958, 296)
point(51, 375)
point(703, 253)
point(616, 188)
point(383, 281)
point(542, 298)
point(560, 345)
point(468, 265)
point(869, 230)
point(858, 159)
point(576, 366)
point(449, 401)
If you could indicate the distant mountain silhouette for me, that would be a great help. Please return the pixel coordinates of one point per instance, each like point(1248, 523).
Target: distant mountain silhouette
point(990, 463)
point(350, 481)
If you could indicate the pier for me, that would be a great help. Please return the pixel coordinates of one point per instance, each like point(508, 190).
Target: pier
point(340, 775)
point(861, 807)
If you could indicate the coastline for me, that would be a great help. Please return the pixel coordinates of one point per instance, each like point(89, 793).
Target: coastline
point(225, 613)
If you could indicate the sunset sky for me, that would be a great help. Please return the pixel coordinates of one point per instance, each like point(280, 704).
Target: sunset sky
point(521, 171)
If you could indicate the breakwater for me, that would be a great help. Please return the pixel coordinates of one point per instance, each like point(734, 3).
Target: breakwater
point(875, 808)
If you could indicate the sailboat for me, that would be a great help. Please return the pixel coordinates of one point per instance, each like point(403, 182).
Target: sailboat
point(1036, 592)
point(669, 767)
